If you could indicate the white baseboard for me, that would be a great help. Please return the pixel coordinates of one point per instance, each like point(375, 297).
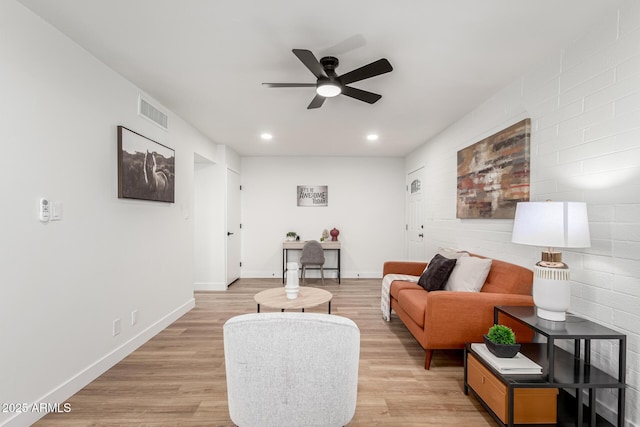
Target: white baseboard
point(362, 274)
point(331, 274)
point(84, 377)
point(209, 286)
point(258, 274)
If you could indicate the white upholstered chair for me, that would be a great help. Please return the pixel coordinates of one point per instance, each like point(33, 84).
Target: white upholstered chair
point(291, 369)
point(312, 254)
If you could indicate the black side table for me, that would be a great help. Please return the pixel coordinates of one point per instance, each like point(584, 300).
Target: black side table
point(574, 371)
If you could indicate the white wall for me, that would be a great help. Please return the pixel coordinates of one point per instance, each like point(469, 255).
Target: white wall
point(63, 283)
point(209, 226)
point(366, 203)
point(210, 219)
point(584, 102)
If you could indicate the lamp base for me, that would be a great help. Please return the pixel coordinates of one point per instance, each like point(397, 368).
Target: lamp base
point(551, 292)
point(556, 316)
point(551, 256)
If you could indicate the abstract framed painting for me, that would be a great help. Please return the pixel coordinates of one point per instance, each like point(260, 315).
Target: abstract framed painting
point(493, 174)
point(146, 168)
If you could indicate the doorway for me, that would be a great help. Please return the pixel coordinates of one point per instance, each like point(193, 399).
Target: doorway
point(415, 216)
point(233, 226)
point(207, 223)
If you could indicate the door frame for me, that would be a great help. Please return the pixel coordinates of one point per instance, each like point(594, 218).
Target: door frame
point(411, 176)
point(232, 225)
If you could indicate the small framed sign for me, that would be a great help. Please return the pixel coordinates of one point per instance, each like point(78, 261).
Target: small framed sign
point(313, 195)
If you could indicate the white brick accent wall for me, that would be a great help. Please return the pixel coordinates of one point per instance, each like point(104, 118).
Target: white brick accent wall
point(584, 103)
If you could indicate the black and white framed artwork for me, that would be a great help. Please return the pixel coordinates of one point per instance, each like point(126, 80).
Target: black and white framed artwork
point(146, 168)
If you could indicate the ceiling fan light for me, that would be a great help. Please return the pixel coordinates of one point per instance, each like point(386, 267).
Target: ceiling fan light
point(328, 89)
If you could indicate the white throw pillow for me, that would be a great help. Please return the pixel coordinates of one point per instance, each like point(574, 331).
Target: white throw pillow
point(469, 274)
point(452, 253)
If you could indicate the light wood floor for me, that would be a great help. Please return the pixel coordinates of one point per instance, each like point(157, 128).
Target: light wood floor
point(178, 377)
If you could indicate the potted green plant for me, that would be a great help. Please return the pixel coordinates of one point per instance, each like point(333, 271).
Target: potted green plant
point(291, 235)
point(501, 341)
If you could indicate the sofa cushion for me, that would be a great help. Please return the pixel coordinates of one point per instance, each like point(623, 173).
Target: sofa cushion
point(414, 303)
point(400, 285)
point(508, 278)
point(469, 274)
point(437, 273)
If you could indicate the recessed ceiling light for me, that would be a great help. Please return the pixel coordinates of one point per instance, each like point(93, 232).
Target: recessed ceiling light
point(372, 137)
point(266, 136)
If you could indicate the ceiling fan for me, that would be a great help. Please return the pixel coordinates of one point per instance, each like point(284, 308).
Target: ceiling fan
point(329, 84)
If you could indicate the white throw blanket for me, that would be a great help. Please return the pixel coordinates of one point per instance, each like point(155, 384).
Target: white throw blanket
point(385, 300)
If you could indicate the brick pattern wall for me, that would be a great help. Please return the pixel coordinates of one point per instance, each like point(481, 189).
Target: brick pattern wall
point(584, 102)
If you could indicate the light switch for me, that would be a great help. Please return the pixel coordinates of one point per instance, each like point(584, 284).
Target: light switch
point(56, 211)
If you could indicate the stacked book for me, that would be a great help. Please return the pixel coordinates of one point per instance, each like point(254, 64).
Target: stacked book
point(517, 365)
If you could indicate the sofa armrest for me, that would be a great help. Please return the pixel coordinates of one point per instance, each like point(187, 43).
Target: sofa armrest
point(454, 318)
point(412, 268)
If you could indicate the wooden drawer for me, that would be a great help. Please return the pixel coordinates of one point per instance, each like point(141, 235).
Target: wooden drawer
point(531, 405)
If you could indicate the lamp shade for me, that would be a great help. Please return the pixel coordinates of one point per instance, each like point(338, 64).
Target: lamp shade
point(551, 224)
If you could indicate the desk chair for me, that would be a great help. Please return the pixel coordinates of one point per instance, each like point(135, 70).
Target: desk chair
point(312, 254)
point(291, 369)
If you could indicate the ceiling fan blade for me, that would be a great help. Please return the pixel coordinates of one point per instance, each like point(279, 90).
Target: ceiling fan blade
point(309, 60)
point(289, 84)
point(376, 68)
point(316, 102)
point(360, 94)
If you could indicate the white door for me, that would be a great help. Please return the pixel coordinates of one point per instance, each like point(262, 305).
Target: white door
point(233, 226)
point(415, 217)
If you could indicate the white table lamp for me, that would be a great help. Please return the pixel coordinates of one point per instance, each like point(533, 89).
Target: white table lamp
point(554, 225)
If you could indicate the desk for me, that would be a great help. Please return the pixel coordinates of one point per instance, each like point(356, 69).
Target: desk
point(297, 245)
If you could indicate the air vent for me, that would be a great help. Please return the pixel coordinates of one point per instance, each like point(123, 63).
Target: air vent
point(145, 109)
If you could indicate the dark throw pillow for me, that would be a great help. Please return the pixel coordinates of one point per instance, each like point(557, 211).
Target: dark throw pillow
point(435, 277)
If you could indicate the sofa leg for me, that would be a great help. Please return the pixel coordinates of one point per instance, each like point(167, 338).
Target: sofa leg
point(427, 359)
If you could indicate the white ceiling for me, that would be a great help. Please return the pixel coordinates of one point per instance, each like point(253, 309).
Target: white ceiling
point(205, 60)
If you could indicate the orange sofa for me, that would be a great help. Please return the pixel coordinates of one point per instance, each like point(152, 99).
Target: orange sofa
point(442, 320)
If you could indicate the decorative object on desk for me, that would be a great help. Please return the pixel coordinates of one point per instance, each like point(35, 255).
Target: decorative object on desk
point(313, 195)
point(554, 225)
point(291, 236)
point(501, 341)
point(493, 174)
point(293, 286)
point(325, 235)
point(334, 234)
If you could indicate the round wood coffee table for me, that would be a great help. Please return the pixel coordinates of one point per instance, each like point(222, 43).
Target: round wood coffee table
point(307, 297)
